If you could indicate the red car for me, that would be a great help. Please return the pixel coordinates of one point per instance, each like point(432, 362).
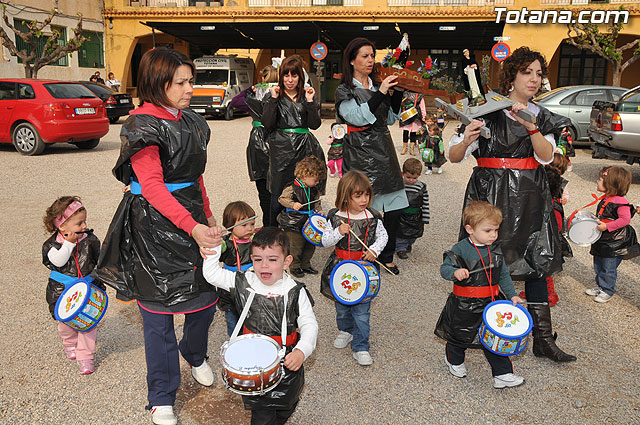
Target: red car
point(34, 113)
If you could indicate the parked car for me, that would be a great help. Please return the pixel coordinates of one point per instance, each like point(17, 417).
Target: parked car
point(34, 113)
point(574, 102)
point(615, 128)
point(117, 104)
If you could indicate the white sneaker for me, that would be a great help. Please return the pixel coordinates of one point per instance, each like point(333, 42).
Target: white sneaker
point(428, 171)
point(342, 340)
point(163, 415)
point(593, 291)
point(363, 358)
point(332, 174)
point(507, 380)
point(459, 371)
point(439, 170)
point(203, 374)
point(602, 297)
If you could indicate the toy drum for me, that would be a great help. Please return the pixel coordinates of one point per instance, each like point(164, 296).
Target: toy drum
point(428, 155)
point(582, 228)
point(354, 282)
point(251, 364)
point(409, 113)
point(313, 229)
point(505, 328)
point(81, 305)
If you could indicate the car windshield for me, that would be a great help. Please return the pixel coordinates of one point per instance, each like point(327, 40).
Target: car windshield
point(211, 77)
point(630, 102)
point(98, 88)
point(69, 91)
point(550, 94)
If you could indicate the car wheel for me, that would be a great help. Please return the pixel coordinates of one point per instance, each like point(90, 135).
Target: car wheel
point(87, 144)
point(228, 114)
point(27, 140)
point(114, 120)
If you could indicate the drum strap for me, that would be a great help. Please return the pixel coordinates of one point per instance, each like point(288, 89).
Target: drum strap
point(489, 274)
point(307, 193)
point(573, 214)
point(66, 279)
point(243, 315)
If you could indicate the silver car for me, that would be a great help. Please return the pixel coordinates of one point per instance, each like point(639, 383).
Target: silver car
point(574, 102)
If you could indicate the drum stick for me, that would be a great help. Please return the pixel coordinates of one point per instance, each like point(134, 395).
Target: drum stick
point(534, 303)
point(490, 266)
point(369, 249)
point(312, 202)
point(241, 223)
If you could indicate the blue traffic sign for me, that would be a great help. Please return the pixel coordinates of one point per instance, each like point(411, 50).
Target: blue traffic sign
point(319, 51)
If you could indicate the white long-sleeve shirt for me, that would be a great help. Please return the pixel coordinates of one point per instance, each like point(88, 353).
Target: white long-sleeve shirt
point(59, 257)
point(331, 236)
point(225, 279)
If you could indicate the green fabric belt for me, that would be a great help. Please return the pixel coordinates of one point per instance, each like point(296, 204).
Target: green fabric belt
point(257, 124)
point(337, 146)
point(411, 210)
point(299, 130)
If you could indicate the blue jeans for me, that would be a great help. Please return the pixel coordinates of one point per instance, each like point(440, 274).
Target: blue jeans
point(606, 269)
point(232, 320)
point(404, 244)
point(354, 319)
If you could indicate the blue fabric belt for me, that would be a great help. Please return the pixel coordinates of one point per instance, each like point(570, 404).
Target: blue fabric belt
point(65, 279)
point(136, 189)
point(301, 212)
point(243, 268)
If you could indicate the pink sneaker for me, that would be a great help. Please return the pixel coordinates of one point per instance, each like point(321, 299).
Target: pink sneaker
point(70, 352)
point(85, 367)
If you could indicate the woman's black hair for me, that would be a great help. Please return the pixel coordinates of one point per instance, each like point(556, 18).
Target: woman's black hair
point(350, 53)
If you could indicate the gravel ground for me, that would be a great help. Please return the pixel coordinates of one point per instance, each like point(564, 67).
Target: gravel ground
point(408, 383)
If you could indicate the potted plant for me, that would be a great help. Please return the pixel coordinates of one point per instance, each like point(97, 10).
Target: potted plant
point(449, 84)
point(484, 72)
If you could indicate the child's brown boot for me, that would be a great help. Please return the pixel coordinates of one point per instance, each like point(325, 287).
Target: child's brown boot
point(412, 149)
point(404, 149)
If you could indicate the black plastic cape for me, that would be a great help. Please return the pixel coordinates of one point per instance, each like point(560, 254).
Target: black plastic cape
point(462, 316)
point(618, 243)
point(258, 147)
point(87, 252)
point(265, 317)
point(145, 256)
point(371, 150)
point(286, 149)
point(528, 236)
point(411, 224)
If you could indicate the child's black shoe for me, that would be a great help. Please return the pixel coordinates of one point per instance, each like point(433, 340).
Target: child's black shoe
point(402, 255)
point(297, 272)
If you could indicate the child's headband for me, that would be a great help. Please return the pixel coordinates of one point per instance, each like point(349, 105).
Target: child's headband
point(71, 210)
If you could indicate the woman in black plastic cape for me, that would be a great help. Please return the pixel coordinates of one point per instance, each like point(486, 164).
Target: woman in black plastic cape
point(368, 111)
point(288, 112)
point(511, 176)
point(152, 251)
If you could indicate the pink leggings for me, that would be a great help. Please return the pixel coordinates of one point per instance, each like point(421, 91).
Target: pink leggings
point(83, 342)
point(335, 165)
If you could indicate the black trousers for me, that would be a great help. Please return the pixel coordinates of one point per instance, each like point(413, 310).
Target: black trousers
point(271, 416)
point(265, 202)
point(276, 207)
point(406, 135)
point(499, 364)
point(391, 223)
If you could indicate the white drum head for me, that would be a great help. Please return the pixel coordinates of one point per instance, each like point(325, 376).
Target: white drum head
point(252, 354)
point(584, 231)
point(319, 222)
point(338, 131)
point(349, 277)
point(72, 300)
point(511, 322)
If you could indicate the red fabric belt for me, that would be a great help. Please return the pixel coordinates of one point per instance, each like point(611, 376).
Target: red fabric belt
point(292, 338)
point(475, 291)
point(351, 129)
point(348, 255)
point(520, 163)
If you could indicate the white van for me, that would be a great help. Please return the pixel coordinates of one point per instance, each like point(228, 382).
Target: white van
point(218, 79)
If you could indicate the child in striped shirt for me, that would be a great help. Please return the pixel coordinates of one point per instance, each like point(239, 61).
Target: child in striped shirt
point(416, 215)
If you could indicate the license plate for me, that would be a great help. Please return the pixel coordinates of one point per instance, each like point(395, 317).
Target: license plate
point(85, 111)
point(124, 100)
point(200, 111)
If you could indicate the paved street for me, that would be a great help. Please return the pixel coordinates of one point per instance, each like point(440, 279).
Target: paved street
point(408, 382)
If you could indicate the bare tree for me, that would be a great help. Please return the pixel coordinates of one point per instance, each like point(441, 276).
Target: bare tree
point(589, 37)
point(52, 51)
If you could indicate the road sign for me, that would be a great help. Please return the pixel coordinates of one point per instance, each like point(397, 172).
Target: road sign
point(319, 51)
point(500, 51)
